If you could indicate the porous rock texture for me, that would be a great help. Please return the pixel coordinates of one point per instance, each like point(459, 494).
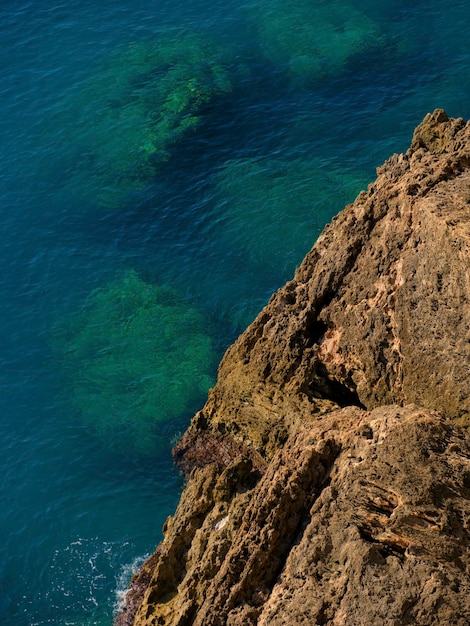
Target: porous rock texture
point(329, 471)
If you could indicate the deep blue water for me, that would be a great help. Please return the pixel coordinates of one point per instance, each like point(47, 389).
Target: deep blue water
point(224, 221)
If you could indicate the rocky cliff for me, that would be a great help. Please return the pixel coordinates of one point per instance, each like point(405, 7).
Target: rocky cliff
point(329, 471)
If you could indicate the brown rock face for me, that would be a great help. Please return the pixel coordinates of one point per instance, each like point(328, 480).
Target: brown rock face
point(329, 471)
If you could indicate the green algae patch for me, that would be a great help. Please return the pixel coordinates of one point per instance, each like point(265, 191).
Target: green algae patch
point(122, 123)
point(311, 40)
point(272, 210)
point(135, 358)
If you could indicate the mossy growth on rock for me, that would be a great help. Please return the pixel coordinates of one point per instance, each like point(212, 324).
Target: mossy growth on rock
point(124, 120)
point(272, 210)
point(311, 40)
point(137, 356)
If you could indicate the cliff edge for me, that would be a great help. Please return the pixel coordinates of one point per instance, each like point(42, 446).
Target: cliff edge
point(329, 471)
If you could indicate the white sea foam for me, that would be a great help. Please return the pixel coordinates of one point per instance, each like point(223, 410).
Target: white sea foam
point(122, 581)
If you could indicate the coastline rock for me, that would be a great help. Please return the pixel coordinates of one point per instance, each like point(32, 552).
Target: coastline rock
point(329, 471)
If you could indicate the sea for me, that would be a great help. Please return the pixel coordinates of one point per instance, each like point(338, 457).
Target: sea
point(180, 157)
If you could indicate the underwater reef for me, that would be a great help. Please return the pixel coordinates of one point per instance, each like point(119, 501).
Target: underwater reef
point(135, 357)
point(123, 121)
point(115, 129)
point(310, 41)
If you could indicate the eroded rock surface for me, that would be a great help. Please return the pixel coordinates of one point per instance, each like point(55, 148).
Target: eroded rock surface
point(329, 471)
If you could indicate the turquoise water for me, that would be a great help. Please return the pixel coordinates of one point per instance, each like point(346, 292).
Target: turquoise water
point(224, 220)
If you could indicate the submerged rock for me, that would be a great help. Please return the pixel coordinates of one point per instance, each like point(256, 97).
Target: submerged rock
point(311, 41)
point(124, 121)
point(136, 357)
point(329, 471)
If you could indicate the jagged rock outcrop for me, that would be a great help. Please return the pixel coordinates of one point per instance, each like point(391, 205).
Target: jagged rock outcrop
point(329, 471)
